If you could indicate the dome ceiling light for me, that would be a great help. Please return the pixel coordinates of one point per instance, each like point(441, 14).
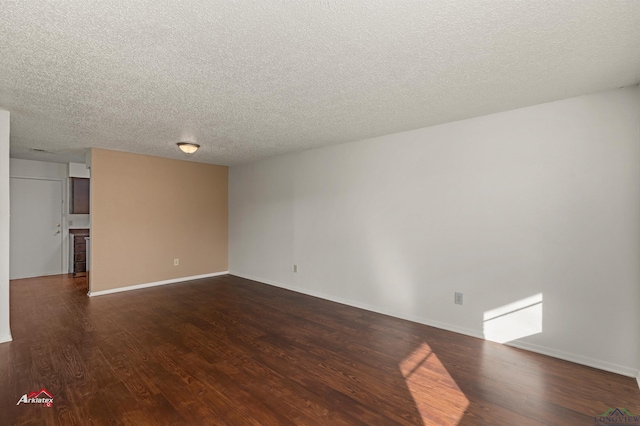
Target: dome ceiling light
point(188, 147)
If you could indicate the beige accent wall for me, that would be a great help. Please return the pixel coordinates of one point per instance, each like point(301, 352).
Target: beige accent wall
point(147, 211)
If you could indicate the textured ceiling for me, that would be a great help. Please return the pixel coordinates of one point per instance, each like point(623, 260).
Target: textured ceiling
point(249, 79)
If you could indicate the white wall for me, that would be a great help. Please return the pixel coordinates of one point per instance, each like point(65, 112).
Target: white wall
point(79, 170)
point(638, 300)
point(544, 199)
point(38, 169)
point(5, 331)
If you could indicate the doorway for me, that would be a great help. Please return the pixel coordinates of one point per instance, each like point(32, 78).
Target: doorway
point(36, 228)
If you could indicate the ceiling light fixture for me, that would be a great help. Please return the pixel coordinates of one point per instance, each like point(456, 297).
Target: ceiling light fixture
point(188, 147)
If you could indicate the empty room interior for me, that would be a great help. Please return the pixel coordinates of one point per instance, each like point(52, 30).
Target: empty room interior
point(320, 212)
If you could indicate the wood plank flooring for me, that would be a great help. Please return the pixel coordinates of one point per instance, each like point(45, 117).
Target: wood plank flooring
point(227, 350)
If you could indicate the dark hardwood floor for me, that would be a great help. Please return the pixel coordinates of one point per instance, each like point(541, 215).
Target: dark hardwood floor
point(232, 351)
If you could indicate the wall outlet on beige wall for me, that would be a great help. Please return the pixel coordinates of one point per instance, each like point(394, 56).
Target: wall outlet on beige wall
point(176, 262)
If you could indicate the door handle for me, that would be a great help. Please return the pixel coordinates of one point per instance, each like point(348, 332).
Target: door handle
point(57, 232)
point(57, 225)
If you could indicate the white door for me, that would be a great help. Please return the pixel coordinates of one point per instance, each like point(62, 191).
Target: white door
point(36, 228)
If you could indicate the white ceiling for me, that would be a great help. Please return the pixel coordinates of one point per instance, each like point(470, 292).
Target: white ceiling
point(248, 79)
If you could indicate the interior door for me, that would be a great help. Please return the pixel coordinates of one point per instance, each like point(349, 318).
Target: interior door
point(36, 228)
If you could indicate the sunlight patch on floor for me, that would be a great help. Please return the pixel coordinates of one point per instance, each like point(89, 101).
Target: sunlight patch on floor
point(438, 398)
point(515, 320)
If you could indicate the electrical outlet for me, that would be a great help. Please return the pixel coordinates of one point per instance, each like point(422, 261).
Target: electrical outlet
point(70, 223)
point(457, 298)
point(294, 268)
point(176, 262)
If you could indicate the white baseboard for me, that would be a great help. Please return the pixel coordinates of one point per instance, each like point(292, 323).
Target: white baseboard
point(6, 338)
point(378, 310)
point(578, 359)
point(155, 284)
point(601, 365)
point(638, 378)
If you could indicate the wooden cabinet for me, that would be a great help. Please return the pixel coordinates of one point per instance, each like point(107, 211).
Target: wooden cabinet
point(78, 250)
point(79, 203)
